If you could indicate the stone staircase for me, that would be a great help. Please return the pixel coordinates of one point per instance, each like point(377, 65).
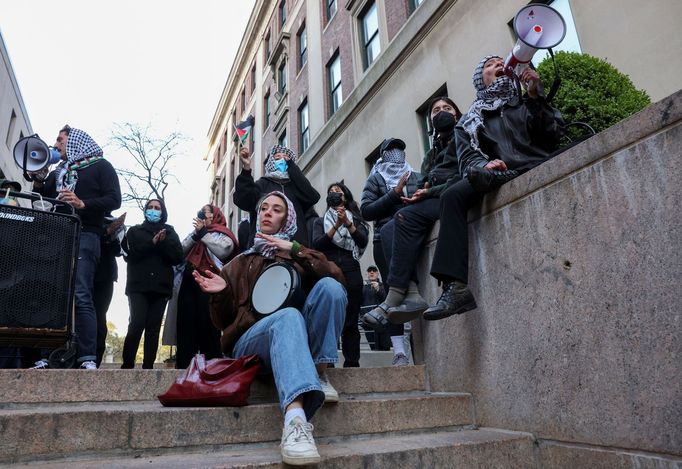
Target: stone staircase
point(111, 418)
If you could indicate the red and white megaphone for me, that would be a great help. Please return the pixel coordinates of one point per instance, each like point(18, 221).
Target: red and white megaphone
point(537, 26)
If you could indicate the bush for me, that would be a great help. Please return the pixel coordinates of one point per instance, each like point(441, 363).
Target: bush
point(592, 90)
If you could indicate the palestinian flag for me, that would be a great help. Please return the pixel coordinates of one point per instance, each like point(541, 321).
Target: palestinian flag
point(243, 129)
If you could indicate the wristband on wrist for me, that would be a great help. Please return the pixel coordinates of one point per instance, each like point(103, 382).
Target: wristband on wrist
point(295, 248)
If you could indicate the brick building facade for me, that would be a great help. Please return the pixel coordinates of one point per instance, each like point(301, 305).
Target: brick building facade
point(393, 56)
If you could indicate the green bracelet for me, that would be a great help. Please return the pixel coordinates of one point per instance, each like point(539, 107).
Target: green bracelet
point(295, 248)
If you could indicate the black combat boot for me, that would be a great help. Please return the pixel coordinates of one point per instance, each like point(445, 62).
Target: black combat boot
point(456, 299)
point(485, 180)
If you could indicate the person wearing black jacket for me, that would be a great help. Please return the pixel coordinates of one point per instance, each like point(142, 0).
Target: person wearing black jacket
point(404, 236)
point(281, 174)
point(87, 182)
point(373, 293)
point(502, 135)
point(105, 276)
point(153, 249)
point(342, 236)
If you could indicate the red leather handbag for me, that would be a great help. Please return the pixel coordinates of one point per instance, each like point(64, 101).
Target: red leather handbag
point(214, 383)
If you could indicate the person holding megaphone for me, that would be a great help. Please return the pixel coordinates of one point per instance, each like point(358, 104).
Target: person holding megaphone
point(87, 182)
point(502, 135)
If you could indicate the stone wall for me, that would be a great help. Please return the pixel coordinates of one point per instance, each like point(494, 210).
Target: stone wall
point(577, 270)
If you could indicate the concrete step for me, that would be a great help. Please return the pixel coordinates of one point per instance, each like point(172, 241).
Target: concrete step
point(35, 386)
point(42, 430)
point(485, 448)
point(368, 359)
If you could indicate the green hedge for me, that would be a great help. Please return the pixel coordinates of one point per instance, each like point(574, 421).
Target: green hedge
point(592, 90)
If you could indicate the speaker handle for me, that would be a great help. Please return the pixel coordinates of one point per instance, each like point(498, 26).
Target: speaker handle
point(26, 176)
point(557, 78)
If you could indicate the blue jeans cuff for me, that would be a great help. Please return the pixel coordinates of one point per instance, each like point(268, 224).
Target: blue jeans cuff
point(295, 394)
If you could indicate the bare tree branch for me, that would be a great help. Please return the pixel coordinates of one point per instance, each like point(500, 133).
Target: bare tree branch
point(151, 156)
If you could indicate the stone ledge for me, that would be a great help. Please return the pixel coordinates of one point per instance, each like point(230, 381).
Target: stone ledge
point(575, 266)
point(652, 119)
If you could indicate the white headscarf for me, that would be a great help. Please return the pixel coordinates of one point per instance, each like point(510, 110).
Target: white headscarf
point(392, 165)
point(342, 237)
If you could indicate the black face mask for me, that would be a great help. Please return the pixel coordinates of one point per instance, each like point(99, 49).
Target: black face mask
point(444, 122)
point(334, 199)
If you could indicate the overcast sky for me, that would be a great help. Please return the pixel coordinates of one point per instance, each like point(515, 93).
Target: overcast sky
point(95, 63)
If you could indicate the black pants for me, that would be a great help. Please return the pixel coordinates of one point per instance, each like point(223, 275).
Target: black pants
point(451, 259)
point(195, 331)
point(380, 259)
point(101, 297)
point(350, 336)
point(146, 314)
point(403, 238)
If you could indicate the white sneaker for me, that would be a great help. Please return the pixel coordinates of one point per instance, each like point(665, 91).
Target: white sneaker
point(400, 359)
point(88, 365)
point(298, 446)
point(41, 364)
point(330, 394)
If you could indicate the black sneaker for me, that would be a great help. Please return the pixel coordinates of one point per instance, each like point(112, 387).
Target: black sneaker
point(452, 301)
point(485, 180)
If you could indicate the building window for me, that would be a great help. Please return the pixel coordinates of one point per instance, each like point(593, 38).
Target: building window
point(372, 158)
point(304, 125)
point(266, 110)
point(282, 139)
point(413, 4)
point(268, 46)
point(253, 79)
point(334, 74)
point(282, 13)
point(282, 78)
point(302, 47)
point(370, 35)
point(331, 9)
point(424, 120)
point(10, 129)
point(243, 108)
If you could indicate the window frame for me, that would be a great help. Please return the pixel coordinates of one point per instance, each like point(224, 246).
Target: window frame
point(282, 138)
point(282, 78)
point(282, 13)
point(327, 9)
point(304, 133)
point(266, 110)
point(302, 52)
point(333, 88)
point(376, 35)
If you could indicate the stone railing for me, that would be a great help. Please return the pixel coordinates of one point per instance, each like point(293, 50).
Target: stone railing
point(577, 271)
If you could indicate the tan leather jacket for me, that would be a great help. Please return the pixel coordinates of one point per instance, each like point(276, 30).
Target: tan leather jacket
point(231, 310)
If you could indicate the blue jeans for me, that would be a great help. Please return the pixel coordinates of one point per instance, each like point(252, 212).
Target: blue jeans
point(86, 318)
point(277, 339)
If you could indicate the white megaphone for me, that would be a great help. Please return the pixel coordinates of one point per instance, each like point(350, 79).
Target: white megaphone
point(33, 155)
point(537, 26)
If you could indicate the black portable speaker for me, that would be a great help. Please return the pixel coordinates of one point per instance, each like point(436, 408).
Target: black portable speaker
point(38, 252)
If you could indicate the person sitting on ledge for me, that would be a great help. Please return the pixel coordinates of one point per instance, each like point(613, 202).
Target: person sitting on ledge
point(501, 136)
point(402, 237)
point(296, 345)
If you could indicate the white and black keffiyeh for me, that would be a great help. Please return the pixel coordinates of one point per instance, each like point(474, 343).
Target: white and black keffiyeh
point(499, 93)
point(81, 151)
point(270, 168)
point(286, 231)
point(342, 237)
point(392, 165)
